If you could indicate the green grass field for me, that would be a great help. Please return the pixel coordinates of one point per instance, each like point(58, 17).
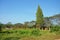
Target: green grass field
point(28, 34)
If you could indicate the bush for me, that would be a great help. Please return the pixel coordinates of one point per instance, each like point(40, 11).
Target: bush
point(55, 28)
point(35, 32)
point(23, 32)
point(12, 38)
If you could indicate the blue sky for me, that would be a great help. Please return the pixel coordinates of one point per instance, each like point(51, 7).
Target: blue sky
point(20, 11)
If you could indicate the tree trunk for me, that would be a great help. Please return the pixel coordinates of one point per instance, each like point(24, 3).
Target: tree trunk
point(38, 26)
point(0, 29)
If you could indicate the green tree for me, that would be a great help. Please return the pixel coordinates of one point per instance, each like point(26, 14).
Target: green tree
point(39, 17)
point(1, 25)
point(9, 25)
point(18, 25)
point(26, 25)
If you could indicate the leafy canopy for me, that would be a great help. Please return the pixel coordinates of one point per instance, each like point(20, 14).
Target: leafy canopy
point(39, 16)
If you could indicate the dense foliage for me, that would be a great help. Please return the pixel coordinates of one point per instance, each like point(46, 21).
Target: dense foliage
point(39, 16)
point(55, 29)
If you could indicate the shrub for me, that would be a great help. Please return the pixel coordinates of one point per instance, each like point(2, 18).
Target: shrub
point(12, 38)
point(35, 32)
point(23, 32)
point(55, 28)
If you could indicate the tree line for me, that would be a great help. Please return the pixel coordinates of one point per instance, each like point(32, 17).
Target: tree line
point(40, 23)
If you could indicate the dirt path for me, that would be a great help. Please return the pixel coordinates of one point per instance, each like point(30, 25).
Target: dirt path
point(57, 39)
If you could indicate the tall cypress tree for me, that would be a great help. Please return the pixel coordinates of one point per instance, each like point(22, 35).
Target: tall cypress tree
point(39, 17)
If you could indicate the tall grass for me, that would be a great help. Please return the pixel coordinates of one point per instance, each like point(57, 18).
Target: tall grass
point(22, 33)
point(9, 34)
